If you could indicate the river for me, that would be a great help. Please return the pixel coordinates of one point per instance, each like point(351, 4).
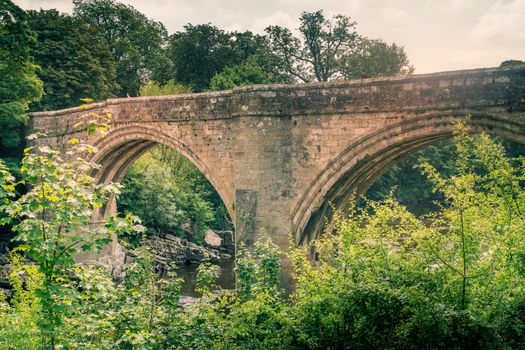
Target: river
point(188, 272)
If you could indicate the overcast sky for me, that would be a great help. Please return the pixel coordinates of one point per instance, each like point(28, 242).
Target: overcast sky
point(438, 35)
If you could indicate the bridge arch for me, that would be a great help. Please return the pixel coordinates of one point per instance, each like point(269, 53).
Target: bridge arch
point(124, 144)
point(359, 165)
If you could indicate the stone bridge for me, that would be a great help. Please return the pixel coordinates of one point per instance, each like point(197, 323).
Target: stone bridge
point(282, 156)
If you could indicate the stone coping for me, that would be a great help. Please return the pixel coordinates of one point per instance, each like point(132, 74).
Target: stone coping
point(284, 87)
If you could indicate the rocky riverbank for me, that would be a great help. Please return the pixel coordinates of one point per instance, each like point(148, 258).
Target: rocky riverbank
point(168, 249)
point(218, 246)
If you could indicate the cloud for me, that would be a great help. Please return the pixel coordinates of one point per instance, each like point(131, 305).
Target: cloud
point(278, 18)
point(60, 5)
point(437, 34)
point(504, 23)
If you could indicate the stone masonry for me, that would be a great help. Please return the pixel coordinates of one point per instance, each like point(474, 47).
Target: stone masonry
point(283, 156)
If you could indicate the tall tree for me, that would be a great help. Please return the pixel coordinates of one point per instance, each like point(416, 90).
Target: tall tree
point(201, 51)
point(375, 58)
point(74, 66)
point(261, 68)
point(330, 49)
point(137, 43)
point(19, 84)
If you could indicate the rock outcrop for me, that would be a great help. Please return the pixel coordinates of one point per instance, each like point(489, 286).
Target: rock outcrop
point(167, 248)
point(227, 241)
point(212, 240)
point(172, 249)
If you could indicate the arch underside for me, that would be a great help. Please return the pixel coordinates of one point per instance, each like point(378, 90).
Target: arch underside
point(362, 163)
point(118, 150)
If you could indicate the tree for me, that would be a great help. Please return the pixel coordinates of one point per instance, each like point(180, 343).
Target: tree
point(375, 58)
point(199, 52)
point(136, 42)
point(246, 73)
point(153, 88)
point(166, 190)
point(19, 84)
point(329, 49)
point(74, 66)
point(387, 279)
point(263, 67)
point(509, 63)
point(52, 222)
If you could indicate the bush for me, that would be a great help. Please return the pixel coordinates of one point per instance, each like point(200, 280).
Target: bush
point(387, 279)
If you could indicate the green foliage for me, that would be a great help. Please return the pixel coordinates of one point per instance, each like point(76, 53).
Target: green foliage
point(166, 191)
point(415, 191)
point(135, 41)
point(243, 74)
point(74, 65)
point(387, 279)
point(135, 314)
point(260, 272)
point(375, 58)
point(316, 56)
point(19, 84)
point(246, 73)
point(145, 304)
point(331, 49)
point(52, 223)
point(170, 88)
point(263, 67)
point(147, 194)
point(384, 279)
point(202, 51)
point(508, 63)
point(409, 187)
point(251, 317)
point(207, 274)
point(245, 271)
point(18, 317)
point(268, 267)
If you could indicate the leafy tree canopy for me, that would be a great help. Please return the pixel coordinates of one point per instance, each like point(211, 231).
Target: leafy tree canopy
point(201, 51)
point(167, 191)
point(19, 84)
point(245, 73)
point(261, 68)
point(74, 66)
point(153, 88)
point(332, 49)
point(137, 43)
point(508, 63)
point(375, 58)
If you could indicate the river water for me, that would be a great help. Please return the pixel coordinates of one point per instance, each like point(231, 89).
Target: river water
point(226, 278)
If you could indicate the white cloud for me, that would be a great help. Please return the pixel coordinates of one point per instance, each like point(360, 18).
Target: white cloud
point(277, 18)
point(503, 23)
point(437, 34)
point(61, 5)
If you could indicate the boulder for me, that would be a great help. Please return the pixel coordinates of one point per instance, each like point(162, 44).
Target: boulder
point(228, 241)
point(212, 239)
point(172, 249)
